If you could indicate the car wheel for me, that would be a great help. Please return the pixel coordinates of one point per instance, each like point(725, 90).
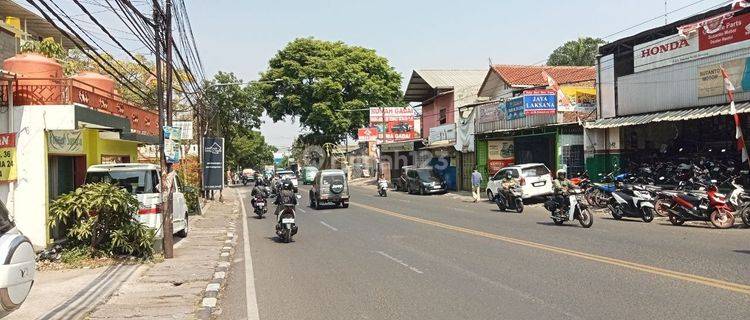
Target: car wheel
point(490, 196)
point(345, 205)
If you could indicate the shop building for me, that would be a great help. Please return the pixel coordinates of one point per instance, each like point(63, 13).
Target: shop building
point(519, 119)
point(661, 94)
point(440, 94)
point(60, 126)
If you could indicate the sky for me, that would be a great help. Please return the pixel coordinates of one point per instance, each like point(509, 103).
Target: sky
point(240, 36)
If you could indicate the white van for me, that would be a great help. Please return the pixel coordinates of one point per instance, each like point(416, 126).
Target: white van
point(535, 180)
point(142, 181)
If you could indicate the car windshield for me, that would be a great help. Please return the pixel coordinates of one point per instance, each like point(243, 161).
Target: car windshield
point(136, 182)
point(535, 171)
point(427, 175)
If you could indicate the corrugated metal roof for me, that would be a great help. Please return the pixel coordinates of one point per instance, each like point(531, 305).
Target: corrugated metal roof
point(423, 83)
point(666, 116)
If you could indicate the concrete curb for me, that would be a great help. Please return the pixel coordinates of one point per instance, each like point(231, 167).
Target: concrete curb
point(208, 304)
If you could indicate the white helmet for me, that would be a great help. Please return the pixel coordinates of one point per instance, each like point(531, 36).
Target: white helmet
point(561, 171)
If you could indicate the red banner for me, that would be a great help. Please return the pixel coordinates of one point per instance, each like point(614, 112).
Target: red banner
point(493, 166)
point(7, 140)
point(726, 31)
point(367, 134)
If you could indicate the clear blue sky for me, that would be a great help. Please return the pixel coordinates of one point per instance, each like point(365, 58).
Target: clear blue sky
point(241, 35)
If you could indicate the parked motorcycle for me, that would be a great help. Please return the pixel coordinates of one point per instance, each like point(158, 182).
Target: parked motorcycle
point(635, 202)
point(577, 210)
point(383, 188)
point(693, 206)
point(260, 206)
point(514, 203)
point(286, 227)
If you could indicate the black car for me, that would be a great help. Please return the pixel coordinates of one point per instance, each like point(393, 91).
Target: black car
point(425, 181)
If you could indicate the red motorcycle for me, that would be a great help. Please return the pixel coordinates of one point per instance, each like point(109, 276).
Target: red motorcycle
point(696, 206)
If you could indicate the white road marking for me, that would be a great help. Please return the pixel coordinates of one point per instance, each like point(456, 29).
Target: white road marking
point(399, 262)
point(329, 226)
point(301, 210)
point(250, 294)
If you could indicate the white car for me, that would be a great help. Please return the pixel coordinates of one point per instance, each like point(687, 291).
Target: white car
point(535, 180)
point(142, 181)
point(289, 174)
point(17, 265)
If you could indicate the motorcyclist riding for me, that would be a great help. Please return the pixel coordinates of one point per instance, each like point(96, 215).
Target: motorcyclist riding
point(562, 186)
point(285, 197)
point(507, 184)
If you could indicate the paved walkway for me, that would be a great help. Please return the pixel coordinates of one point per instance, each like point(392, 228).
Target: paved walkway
point(172, 289)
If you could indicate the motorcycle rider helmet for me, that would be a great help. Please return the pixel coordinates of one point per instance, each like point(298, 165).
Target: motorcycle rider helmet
point(561, 174)
point(287, 184)
point(508, 175)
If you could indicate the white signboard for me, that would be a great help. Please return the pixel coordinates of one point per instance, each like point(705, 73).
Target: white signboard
point(665, 51)
point(446, 132)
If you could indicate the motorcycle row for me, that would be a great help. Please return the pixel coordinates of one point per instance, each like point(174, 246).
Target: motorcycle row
point(684, 192)
point(285, 227)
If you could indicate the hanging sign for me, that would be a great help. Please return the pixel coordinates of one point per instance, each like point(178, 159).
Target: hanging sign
point(213, 163)
point(65, 141)
point(514, 109)
point(172, 150)
point(8, 166)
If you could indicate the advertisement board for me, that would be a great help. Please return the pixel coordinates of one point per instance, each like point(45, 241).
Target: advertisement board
point(8, 166)
point(711, 82)
point(539, 102)
point(493, 166)
point(367, 134)
point(213, 163)
point(399, 123)
point(397, 147)
point(491, 112)
point(500, 149)
point(65, 142)
point(514, 109)
point(172, 150)
point(664, 51)
point(446, 132)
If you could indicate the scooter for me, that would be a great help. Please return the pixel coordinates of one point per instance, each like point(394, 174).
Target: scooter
point(260, 206)
point(286, 226)
point(383, 188)
point(711, 206)
point(576, 211)
point(635, 202)
point(515, 203)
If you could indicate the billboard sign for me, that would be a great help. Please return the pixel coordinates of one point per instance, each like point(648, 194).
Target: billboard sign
point(65, 141)
point(500, 150)
point(367, 134)
point(213, 163)
point(491, 112)
point(539, 102)
point(391, 114)
point(399, 123)
point(514, 109)
point(446, 132)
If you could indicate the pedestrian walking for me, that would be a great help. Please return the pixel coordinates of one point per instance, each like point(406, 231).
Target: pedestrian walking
point(476, 182)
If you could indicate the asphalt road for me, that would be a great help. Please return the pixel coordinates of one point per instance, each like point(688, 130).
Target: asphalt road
point(434, 257)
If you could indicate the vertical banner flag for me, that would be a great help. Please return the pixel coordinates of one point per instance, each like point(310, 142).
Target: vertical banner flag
point(733, 111)
point(563, 103)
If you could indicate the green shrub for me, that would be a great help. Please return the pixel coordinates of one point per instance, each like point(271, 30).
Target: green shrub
point(100, 217)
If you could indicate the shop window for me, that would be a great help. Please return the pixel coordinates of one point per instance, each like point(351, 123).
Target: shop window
point(443, 116)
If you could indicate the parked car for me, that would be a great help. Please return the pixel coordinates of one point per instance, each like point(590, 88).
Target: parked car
point(289, 174)
point(424, 181)
point(143, 182)
point(400, 181)
point(329, 186)
point(18, 268)
point(308, 174)
point(535, 180)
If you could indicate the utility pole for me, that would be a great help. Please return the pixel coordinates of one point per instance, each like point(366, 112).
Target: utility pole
point(167, 241)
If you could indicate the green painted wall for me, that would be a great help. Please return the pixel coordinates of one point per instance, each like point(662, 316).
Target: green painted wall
point(602, 163)
point(482, 156)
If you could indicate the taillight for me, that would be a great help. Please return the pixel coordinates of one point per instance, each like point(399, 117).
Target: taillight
point(153, 210)
point(522, 181)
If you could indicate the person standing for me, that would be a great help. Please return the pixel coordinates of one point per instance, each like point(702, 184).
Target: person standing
point(476, 182)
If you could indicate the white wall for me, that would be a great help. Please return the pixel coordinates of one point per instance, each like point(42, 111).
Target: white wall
point(31, 198)
point(605, 85)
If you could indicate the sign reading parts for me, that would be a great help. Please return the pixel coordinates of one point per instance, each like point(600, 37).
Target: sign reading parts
point(8, 166)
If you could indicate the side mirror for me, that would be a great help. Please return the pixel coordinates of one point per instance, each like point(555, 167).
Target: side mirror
point(661, 178)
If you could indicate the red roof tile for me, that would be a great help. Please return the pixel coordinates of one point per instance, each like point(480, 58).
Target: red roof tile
point(518, 75)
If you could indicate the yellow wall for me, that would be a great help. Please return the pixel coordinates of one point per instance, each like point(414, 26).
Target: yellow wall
point(96, 147)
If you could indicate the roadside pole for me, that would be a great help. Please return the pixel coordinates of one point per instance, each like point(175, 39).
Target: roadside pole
point(167, 242)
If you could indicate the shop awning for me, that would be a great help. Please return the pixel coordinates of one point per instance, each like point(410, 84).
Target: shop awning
point(666, 116)
point(440, 144)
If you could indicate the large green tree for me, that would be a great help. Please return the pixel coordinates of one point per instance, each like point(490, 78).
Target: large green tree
point(233, 113)
point(321, 83)
point(580, 52)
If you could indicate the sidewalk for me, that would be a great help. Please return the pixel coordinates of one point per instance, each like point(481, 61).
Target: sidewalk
point(172, 289)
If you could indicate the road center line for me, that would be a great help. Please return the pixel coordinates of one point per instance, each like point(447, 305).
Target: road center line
point(399, 262)
point(250, 294)
point(329, 226)
point(716, 283)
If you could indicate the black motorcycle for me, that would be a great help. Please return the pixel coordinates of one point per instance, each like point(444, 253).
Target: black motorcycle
point(260, 206)
point(285, 225)
point(514, 203)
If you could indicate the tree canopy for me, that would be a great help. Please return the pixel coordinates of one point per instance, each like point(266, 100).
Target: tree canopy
point(233, 113)
point(580, 52)
point(326, 85)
